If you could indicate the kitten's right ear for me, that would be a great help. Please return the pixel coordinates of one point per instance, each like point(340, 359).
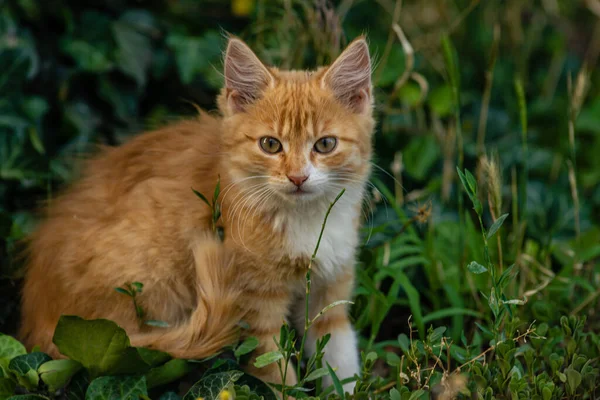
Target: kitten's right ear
point(246, 77)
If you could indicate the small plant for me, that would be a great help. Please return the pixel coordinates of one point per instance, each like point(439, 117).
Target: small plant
point(215, 208)
point(133, 290)
point(497, 300)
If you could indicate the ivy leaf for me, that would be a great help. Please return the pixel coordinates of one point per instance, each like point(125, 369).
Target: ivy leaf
point(476, 268)
point(57, 373)
point(101, 346)
point(153, 357)
point(212, 385)
point(117, 388)
point(7, 388)
point(78, 386)
point(169, 396)
point(10, 347)
point(25, 368)
point(256, 385)
point(167, 373)
point(134, 51)
point(88, 57)
point(195, 55)
point(268, 358)
point(496, 225)
point(247, 346)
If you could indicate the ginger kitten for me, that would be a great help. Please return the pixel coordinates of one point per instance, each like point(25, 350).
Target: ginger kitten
point(286, 143)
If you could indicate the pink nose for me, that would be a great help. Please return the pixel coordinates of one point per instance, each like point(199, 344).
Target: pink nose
point(297, 180)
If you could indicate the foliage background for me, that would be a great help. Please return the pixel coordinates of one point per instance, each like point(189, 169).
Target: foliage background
point(75, 74)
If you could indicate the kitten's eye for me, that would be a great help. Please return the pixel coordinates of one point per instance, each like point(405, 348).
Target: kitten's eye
point(270, 144)
point(326, 144)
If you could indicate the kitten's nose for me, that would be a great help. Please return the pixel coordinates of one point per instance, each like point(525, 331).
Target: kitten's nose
point(297, 180)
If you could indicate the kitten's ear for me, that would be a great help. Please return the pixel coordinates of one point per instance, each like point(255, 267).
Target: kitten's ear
point(246, 77)
point(349, 77)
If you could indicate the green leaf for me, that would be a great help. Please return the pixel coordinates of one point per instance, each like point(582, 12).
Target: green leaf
point(201, 196)
point(464, 182)
point(394, 394)
point(420, 156)
point(471, 181)
point(268, 358)
point(476, 268)
point(134, 50)
point(7, 388)
point(212, 385)
point(34, 137)
point(410, 94)
point(496, 225)
point(117, 388)
point(440, 100)
point(573, 380)
point(255, 385)
point(316, 374)
point(336, 381)
point(494, 303)
point(522, 106)
point(101, 346)
point(88, 57)
point(10, 347)
point(414, 301)
point(249, 344)
point(123, 291)
point(153, 357)
point(138, 286)
point(167, 373)
point(404, 342)
point(195, 55)
point(25, 368)
point(78, 386)
point(28, 397)
point(503, 280)
point(392, 359)
point(169, 396)
point(57, 373)
point(157, 323)
point(217, 190)
point(417, 394)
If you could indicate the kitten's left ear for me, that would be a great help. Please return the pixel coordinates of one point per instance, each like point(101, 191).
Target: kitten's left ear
point(349, 77)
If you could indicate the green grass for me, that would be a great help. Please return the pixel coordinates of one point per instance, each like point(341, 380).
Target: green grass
point(484, 109)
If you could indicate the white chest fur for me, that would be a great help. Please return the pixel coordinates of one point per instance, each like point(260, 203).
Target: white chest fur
point(302, 226)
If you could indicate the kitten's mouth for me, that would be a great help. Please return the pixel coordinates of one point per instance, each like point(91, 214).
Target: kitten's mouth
point(299, 192)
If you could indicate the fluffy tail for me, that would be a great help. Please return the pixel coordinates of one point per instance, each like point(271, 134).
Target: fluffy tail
point(214, 323)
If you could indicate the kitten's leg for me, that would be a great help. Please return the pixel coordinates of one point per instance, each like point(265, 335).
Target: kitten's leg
point(341, 351)
point(266, 310)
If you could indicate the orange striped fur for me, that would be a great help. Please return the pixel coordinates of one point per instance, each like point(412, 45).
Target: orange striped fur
point(133, 217)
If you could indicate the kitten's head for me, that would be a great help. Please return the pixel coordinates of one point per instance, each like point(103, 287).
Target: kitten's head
point(297, 135)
